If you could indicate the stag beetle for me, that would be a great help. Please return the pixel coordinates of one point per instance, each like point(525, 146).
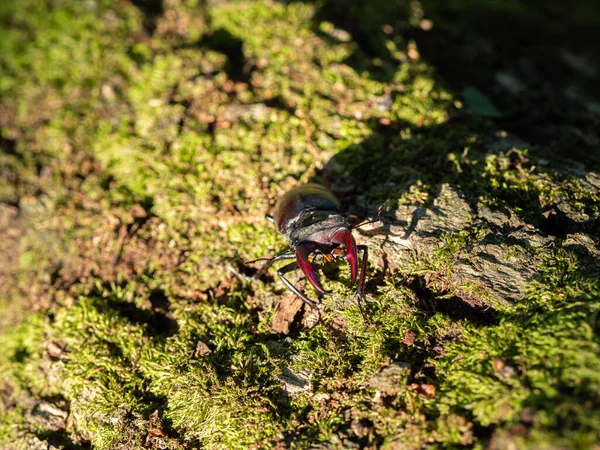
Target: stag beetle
point(309, 216)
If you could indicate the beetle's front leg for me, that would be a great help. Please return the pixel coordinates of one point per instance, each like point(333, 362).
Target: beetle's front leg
point(270, 262)
point(360, 291)
point(263, 269)
point(294, 266)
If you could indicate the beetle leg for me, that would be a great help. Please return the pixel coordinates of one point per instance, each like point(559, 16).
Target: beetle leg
point(290, 267)
point(360, 291)
point(270, 262)
point(303, 252)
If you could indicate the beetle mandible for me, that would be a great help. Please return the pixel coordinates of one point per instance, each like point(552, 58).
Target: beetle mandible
point(309, 217)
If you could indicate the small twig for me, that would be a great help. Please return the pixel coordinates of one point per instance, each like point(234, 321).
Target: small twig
point(241, 276)
point(124, 235)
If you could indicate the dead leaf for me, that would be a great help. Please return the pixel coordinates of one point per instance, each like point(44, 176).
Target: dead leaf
point(285, 312)
point(409, 338)
point(155, 432)
point(202, 350)
point(498, 364)
point(427, 390)
point(55, 349)
point(502, 368)
point(138, 212)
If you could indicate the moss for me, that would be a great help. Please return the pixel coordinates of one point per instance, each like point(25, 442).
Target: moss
point(552, 358)
point(20, 373)
point(143, 149)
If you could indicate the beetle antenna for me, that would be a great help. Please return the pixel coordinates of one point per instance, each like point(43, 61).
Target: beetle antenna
point(268, 258)
point(376, 219)
point(262, 258)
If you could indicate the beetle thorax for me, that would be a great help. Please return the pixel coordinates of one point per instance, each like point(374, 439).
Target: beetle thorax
point(314, 226)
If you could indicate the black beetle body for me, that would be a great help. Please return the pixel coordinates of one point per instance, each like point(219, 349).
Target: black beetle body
point(310, 218)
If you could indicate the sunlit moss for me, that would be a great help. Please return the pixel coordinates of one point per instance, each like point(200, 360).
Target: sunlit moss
point(146, 160)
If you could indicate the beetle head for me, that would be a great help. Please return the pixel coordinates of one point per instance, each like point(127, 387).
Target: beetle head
point(338, 244)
